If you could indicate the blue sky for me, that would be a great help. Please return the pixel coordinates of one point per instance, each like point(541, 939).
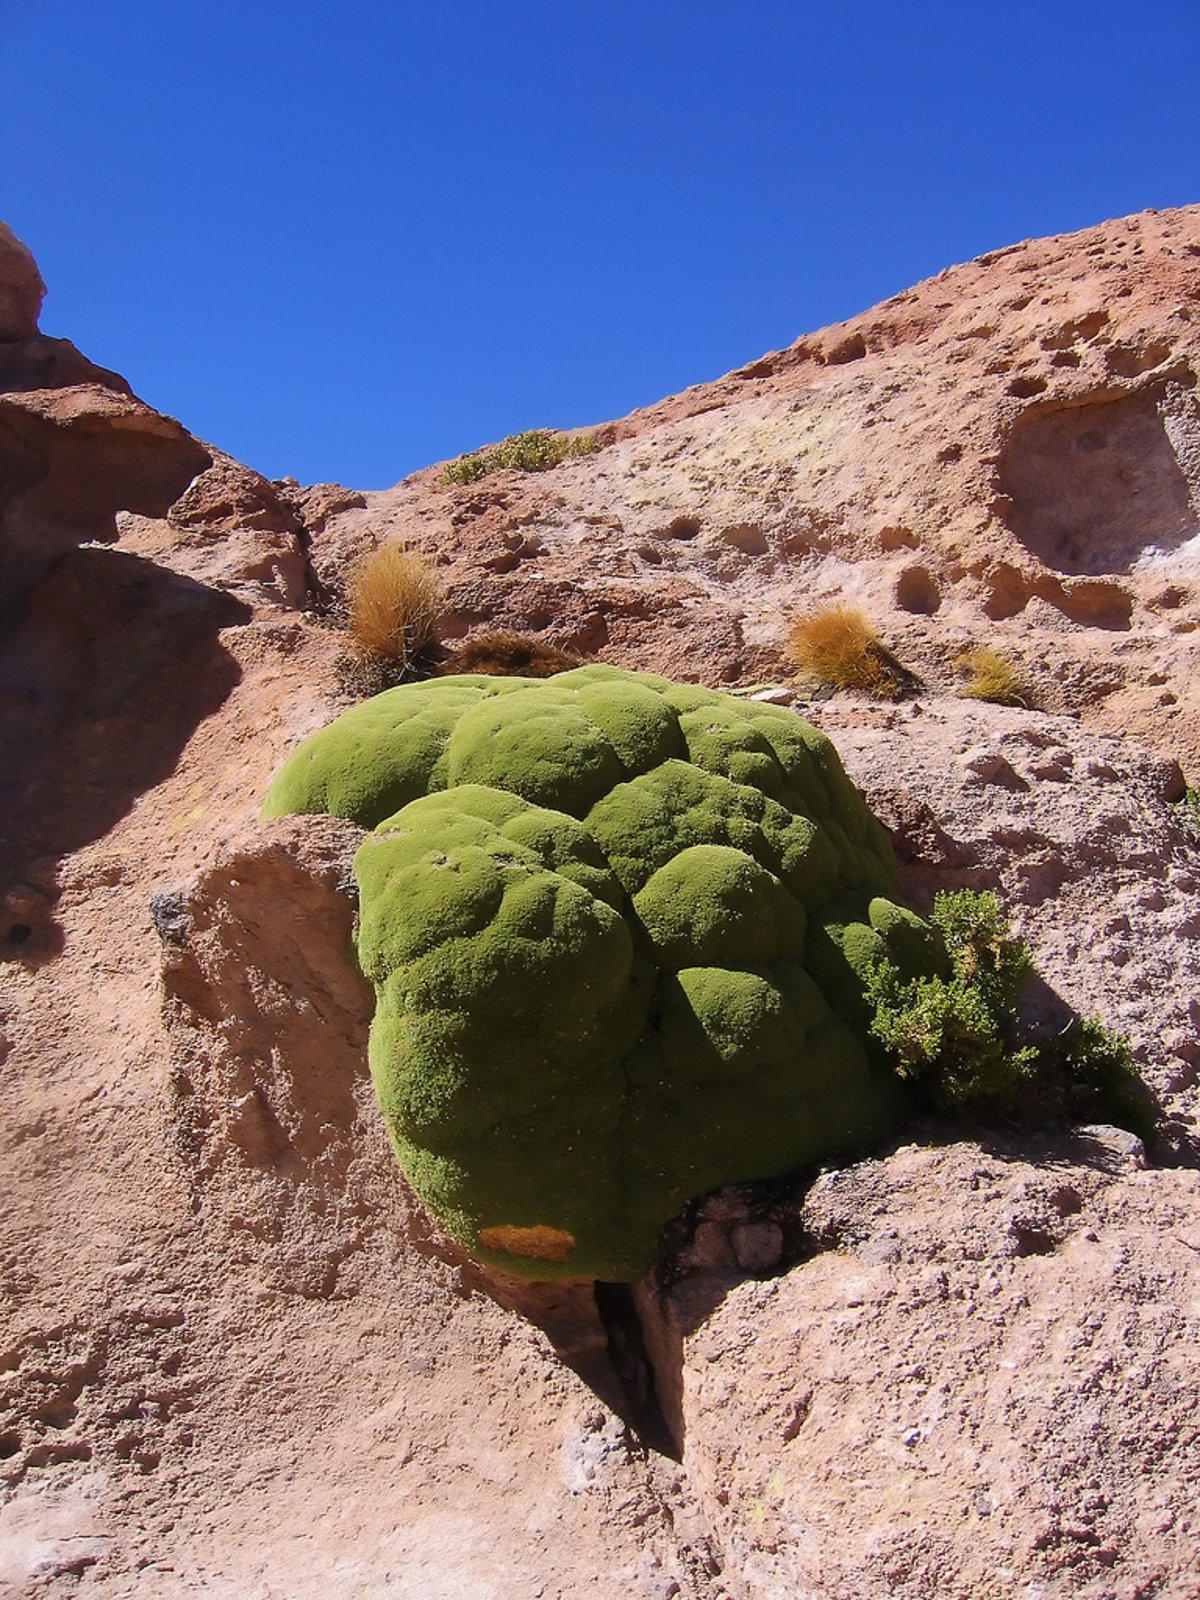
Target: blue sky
point(343, 241)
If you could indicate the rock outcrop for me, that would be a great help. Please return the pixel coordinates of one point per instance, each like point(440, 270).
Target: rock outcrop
point(978, 1383)
point(1008, 453)
point(238, 1357)
point(75, 446)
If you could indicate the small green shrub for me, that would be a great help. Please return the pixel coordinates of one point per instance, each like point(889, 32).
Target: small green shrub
point(534, 451)
point(1101, 1073)
point(958, 1037)
point(1191, 802)
point(954, 1033)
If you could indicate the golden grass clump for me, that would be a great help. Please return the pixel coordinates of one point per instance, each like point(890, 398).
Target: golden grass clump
point(838, 646)
point(394, 603)
point(991, 677)
point(499, 653)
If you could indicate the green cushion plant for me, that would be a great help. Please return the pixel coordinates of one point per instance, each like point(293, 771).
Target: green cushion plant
point(619, 931)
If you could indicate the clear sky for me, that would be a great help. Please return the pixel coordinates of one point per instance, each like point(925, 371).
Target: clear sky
point(345, 240)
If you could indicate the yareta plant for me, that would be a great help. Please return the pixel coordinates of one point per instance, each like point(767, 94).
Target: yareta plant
point(617, 929)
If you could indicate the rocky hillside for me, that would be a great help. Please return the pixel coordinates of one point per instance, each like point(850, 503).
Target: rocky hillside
point(237, 1359)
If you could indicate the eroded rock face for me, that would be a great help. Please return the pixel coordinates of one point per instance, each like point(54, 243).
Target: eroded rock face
point(1101, 487)
point(75, 446)
point(980, 1383)
point(234, 1347)
point(271, 1106)
point(1006, 454)
point(237, 530)
point(21, 289)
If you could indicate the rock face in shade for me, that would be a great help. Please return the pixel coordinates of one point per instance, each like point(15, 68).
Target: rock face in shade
point(238, 1349)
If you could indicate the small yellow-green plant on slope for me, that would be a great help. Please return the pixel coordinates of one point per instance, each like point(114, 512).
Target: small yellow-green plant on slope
point(991, 676)
point(533, 451)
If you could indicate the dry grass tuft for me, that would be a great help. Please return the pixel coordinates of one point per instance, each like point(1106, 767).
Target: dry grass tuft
point(498, 653)
point(991, 677)
point(394, 603)
point(838, 646)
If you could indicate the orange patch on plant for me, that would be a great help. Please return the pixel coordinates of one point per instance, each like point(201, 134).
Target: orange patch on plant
point(539, 1243)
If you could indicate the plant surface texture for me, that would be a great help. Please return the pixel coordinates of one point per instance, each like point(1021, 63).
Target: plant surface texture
point(617, 929)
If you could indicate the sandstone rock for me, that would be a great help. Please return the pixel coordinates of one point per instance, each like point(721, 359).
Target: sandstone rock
point(21, 288)
point(240, 532)
point(271, 1106)
point(1008, 453)
point(73, 458)
point(970, 1389)
point(75, 446)
point(237, 1356)
point(318, 502)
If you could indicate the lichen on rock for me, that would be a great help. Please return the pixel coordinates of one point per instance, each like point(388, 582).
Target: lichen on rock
point(616, 928)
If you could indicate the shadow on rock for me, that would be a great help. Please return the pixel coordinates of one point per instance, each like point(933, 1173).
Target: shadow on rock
point(103, 681)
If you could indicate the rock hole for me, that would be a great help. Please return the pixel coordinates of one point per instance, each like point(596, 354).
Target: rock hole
point(853, 348)
point(799, 1416)
point(1067, 1200)
point(1126, 361)
point(747, 537)
point(60, 1414)
point(681, 528)
point(917, 593)
point(1093, 487)
point(19, 932)
point(1032, 1241)
point(757, 369)
point(1085, 327)
point(896, 537)
point(1025, 388)
point(1093, 603)
point(54, 1455)
point(10, 1445)
point(1006, 593)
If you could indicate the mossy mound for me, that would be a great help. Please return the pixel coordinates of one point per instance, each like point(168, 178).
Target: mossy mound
point(618, 929)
